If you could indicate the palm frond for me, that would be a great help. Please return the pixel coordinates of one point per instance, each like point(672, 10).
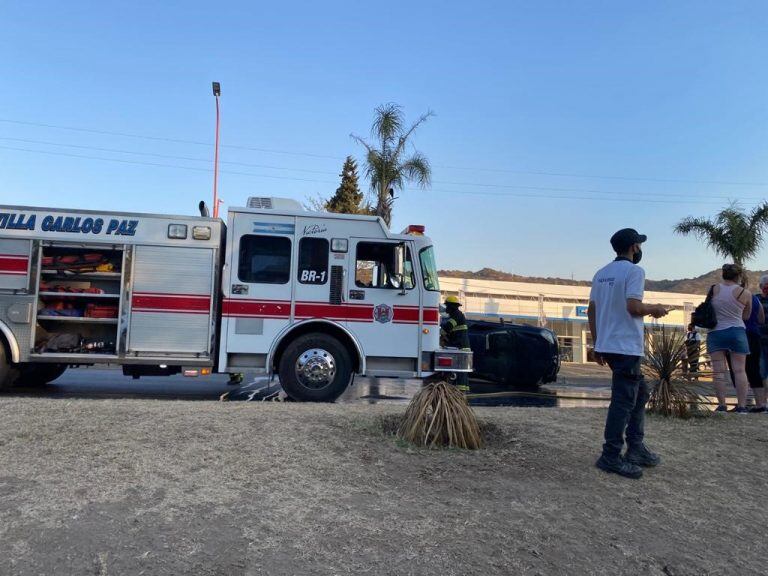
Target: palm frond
point(758, 218)
point(407, 134)
point(711, 232)
point(361, 141)
point(387, 123)
point(417, 169)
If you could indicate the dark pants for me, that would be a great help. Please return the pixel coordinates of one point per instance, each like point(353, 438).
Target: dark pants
point(693, 353)
point(629, 393)
point(753, 361)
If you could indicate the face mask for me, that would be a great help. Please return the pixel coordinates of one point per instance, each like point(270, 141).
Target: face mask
point(637, 256)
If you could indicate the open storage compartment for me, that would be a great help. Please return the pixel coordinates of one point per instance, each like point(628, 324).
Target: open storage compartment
point(78, 306)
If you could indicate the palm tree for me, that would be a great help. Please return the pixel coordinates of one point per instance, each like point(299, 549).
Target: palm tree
point(387, 166)
point(732, 233)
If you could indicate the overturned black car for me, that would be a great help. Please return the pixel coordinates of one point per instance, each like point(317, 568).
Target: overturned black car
point(513, 354)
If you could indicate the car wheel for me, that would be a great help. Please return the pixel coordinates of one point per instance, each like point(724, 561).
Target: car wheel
point(315, 368)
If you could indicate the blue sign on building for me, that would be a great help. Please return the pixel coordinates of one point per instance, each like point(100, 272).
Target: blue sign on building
point(581, 311)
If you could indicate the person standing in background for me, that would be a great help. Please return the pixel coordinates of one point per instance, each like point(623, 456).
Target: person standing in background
point(733, 305)
point(615, 313)
point(761, 393)
point(753, 323)
point(692, 349)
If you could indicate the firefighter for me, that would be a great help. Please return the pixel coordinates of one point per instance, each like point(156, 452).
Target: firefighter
point(454, 332)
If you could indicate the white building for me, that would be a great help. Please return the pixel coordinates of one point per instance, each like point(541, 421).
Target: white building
point(561, 308)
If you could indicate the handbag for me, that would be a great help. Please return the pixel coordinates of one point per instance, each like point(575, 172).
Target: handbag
point(704, 316)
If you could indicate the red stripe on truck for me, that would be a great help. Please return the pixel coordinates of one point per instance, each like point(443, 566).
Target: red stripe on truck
point(13, 264)
point(171, 303)
point(348, 312)
point(256, 308)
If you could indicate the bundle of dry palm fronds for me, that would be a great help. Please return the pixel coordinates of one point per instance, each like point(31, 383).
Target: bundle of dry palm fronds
point(671, 395)
point(438, 416)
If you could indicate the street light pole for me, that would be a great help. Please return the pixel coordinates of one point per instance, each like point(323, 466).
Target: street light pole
point(216, 94)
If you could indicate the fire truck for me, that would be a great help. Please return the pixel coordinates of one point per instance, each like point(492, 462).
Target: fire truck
point(314, 298)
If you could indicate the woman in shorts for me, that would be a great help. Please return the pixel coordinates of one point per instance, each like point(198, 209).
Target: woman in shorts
point(733, 305)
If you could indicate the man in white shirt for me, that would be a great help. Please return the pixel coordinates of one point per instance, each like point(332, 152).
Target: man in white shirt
point(616, 312)
point(692, 350)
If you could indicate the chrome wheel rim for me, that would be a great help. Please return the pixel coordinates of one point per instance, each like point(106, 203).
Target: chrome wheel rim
point(315, 368)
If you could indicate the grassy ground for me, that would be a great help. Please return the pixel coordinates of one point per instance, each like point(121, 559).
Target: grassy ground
point(114, 487)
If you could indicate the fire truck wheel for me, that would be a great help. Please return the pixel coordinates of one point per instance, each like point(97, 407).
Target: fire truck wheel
point(315, 368)
point(8, 373)
point(40, 374)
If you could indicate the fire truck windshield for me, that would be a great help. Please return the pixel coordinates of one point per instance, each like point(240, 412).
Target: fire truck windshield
point(429, 269)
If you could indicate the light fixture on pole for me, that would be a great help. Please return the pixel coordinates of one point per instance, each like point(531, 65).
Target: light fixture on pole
point(216, 94)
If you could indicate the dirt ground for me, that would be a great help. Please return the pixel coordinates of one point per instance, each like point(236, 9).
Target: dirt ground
point(128, 487)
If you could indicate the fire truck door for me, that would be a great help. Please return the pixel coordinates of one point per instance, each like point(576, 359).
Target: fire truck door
point(314, 277)
point(171, 302)
point(257, 298)
point(390, 325)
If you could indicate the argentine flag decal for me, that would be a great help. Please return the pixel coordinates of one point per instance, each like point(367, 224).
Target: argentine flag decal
point(274, 227)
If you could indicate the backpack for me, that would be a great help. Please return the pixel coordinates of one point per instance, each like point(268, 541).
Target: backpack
point(704, 316)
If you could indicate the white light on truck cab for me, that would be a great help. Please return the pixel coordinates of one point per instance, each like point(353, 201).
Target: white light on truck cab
point(177, 231)
point(201, 232)
point(339, 244)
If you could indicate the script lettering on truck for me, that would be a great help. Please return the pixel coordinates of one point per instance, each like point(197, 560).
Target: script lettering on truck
point(71, 224)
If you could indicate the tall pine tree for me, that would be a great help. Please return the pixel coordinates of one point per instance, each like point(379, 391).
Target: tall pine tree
point(348, 198)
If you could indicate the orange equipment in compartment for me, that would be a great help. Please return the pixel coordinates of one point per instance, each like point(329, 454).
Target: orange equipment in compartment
point(101, 311)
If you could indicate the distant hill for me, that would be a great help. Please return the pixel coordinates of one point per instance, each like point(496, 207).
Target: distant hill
point(698, 285)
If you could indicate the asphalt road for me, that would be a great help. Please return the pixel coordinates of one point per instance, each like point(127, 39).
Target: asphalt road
point(95, 382)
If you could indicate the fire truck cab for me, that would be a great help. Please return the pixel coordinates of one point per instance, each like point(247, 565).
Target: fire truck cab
point(312, 297)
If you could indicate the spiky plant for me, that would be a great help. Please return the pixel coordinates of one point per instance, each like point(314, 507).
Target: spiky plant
point(671, 395)
point(439, 416)
point(732, 233)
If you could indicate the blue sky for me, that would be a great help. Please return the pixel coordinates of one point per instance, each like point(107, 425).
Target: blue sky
point(556, 122)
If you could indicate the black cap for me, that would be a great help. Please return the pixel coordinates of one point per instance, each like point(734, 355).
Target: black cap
point(626, 237)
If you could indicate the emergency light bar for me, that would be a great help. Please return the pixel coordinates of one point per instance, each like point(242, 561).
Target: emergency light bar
point(415, 230)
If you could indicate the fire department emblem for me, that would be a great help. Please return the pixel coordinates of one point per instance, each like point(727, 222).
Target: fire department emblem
point(383, 313)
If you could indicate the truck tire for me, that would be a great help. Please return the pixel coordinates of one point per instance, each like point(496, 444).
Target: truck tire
point(8, 373)
point(315, 368)
point(39, 374)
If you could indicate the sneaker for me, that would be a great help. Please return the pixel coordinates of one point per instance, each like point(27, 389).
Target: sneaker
point(721, 408)
point(620, 467)
point(741, 410)
point(641, 456)
point(758, 410)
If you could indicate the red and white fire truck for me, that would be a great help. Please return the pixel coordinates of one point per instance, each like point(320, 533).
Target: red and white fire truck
point(312, 297)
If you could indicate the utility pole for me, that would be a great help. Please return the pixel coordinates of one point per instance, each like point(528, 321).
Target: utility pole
point(216, 94)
